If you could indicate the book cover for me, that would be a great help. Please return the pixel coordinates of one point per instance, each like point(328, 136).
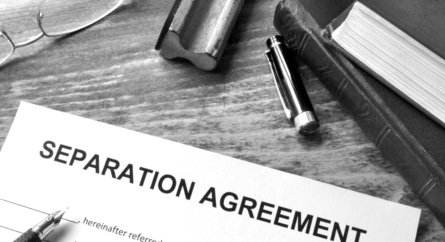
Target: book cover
point(411, 141)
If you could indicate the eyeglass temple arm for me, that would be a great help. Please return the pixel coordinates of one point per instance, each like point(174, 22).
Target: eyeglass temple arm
point(40, 17)
point(42, 33)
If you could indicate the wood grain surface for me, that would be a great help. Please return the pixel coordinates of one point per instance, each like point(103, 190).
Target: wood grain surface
point(110, 72)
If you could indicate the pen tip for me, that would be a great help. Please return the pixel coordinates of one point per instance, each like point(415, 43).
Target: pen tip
point(58, 216)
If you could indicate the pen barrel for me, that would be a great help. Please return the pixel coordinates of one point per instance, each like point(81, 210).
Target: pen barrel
point(28, 236)
point(293, 94)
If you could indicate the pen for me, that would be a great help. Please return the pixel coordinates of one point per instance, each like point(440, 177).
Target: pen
point(294, 98)
point(42, 229)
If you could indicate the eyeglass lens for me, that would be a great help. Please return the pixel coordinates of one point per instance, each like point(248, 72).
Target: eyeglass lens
point(18, 18)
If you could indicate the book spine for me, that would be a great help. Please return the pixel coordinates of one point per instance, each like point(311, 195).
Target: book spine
point(350, 86)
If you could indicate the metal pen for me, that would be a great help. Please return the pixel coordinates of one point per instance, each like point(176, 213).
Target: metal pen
point(294, 98)
point(39, 232)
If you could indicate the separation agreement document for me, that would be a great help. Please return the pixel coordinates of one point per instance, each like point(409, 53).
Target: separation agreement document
point(124, 186)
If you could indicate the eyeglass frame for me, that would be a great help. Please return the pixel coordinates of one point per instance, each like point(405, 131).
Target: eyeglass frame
point(39, 18)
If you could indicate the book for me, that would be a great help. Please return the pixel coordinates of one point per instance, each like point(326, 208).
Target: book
point(392, 56)
point(121, 185)
point(409, 139)
point(421, 20)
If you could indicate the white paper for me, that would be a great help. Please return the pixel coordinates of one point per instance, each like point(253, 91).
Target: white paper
point(31, 184)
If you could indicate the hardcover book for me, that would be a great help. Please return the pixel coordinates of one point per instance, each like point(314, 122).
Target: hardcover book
point(408, 138)
point(393, 56)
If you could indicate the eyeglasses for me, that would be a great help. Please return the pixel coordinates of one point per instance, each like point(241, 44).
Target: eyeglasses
point(54, 18)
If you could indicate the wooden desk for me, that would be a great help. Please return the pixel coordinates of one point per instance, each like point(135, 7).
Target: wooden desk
point(111, 73)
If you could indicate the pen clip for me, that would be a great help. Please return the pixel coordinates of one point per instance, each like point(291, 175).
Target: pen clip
point(279, 85)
